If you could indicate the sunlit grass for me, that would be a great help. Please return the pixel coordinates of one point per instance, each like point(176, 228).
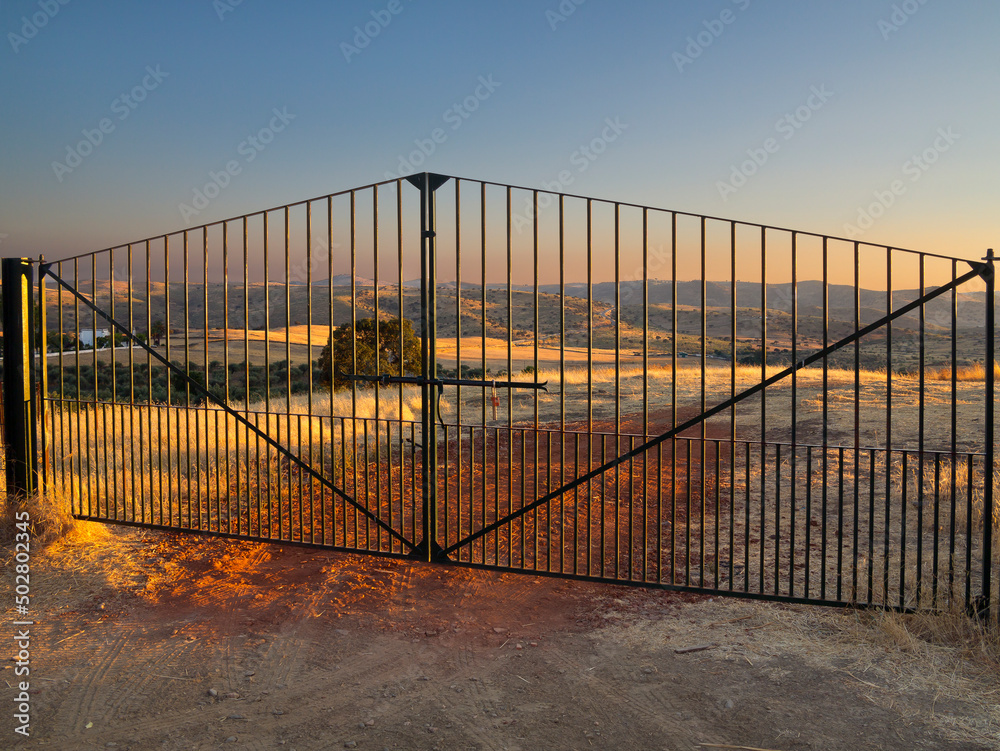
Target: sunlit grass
point(974, 372)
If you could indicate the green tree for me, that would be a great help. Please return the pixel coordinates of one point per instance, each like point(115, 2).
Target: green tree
point(156, 331)
point(378, 350)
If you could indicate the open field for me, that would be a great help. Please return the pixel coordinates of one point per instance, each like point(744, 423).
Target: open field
point(521, 315)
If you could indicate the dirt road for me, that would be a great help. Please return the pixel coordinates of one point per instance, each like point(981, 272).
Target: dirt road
point(147, 640)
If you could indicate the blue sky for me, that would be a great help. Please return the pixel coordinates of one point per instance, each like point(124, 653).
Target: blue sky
point(796, 114)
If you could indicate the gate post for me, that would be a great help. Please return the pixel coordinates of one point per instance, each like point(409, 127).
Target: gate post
point(989, 276)
point(428, 548)
point(20, 441)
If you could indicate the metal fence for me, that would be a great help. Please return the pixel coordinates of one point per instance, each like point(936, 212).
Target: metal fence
point(588, 388)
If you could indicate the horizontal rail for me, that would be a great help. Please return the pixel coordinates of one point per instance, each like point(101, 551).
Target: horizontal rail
point(385, 380)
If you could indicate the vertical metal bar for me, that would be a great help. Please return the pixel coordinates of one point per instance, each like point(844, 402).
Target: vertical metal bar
point(825, 429)
point(673, 396)
point(888, 427)
point(460, 467)
point(618, 421)
point(989, 275)
point(603, 506)
point(62, 411)
point(902, 530)
point(763, 406)
point(207, 500)
point(826, 421)
point(687, 520)
point(354, 359)
point(149, 391)
point(732, 393)
point(113, 407)
point(562, 387)
point(309, 370)
point(921, 408)
point(82, 448)
point(970, 484)
point(793, 475)
point(268, 474)
point(534, 374)
point(288, 383)
point(133, 448)
point(496, 450)
point(185, 444)
point(63, 425)
point(590, 387)
point(840, 524)
point(857, 429)
point(225, 383)
point(43, 349)
point(808, 540)
point(255, 469)
point(399, 390)
point(857, 440)
point(704, 376)
point(777, 526)
point(509, 396)
point(954, 437)
point(746, 523)
point(657, 519)
point(168, 407)
point(937, 508)
point(716, 497)
point(334, 455)
point(428, 290)
point(871, 532)
point(98, 411)
point(658, 523)
point(658, 516)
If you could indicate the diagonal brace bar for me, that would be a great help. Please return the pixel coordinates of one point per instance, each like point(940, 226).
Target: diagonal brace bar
point(46, 270)
point(978, 269)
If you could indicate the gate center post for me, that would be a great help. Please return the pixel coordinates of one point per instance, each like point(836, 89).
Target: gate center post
point(427, 183)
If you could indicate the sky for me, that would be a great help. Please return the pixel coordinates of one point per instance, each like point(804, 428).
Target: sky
point(875, 120)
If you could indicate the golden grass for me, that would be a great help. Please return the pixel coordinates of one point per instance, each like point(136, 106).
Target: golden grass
point(48, 517)
point(940, 482)
point(389, 403)
point(974, 372)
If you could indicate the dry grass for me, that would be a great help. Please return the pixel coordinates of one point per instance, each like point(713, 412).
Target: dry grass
point(49, 517)
point(943, 482)
point(939, 669)
point(974, 372)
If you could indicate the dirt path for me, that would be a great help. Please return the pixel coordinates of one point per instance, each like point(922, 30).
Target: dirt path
point(147, 640)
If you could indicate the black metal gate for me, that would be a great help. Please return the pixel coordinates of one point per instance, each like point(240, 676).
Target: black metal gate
point(555, 383)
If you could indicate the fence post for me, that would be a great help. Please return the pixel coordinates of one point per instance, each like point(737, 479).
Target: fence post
point(989, 276)
point(427, 183)
point(20, 442)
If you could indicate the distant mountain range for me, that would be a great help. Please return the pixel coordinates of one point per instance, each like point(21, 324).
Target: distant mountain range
point(840, 298)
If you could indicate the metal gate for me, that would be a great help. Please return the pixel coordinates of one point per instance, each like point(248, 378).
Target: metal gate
point(555, 383)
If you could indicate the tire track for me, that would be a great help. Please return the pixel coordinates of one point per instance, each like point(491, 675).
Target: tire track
point(138, 676)
point(283, 656)
point(80, 707)
point(600, 695)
